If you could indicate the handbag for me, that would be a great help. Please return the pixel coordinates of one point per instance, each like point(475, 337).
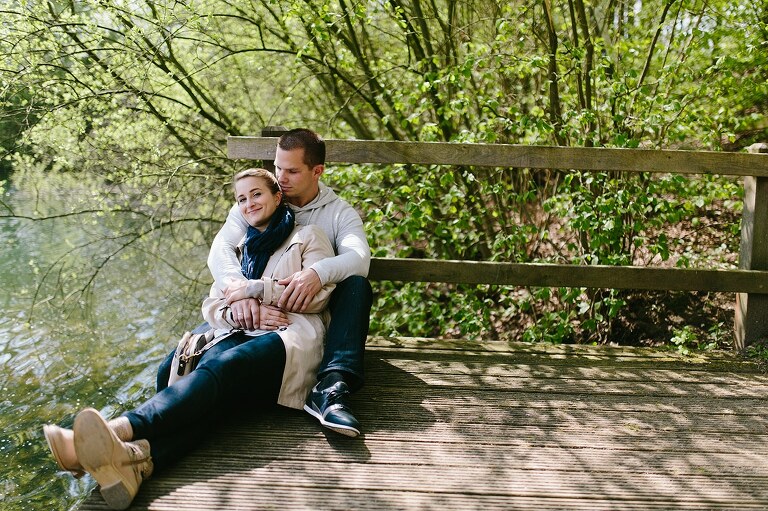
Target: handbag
point(189, 352)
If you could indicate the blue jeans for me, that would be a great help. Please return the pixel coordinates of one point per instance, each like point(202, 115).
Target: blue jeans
point(350, 309)
point(240, 372)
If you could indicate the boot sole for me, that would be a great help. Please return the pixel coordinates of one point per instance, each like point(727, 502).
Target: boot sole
point(95, 445)
point(343, 430)
point(53, 439)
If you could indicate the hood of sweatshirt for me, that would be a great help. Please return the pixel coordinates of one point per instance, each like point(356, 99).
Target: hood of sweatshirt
point(324, 197)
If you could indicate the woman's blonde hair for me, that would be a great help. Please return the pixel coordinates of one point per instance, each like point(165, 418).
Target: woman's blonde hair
point(266, 175)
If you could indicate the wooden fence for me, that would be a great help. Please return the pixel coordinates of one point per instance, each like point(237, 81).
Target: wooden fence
point(749, 281)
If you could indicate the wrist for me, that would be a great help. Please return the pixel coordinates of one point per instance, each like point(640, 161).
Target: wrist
point(255, 289)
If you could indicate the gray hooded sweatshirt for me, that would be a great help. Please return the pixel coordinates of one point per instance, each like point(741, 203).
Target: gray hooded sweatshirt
point(334, 216)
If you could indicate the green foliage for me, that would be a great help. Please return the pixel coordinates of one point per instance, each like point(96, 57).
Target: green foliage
point(686, 341)
point(139, 98)
point(622, 219)
point(759, 353)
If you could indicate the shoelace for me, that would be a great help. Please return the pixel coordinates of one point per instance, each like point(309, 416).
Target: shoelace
point(336, 395)
point(138, 460)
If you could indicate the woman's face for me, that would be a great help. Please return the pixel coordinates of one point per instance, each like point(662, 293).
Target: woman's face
point(256, 201)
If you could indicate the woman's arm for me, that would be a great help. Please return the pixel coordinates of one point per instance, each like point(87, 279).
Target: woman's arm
point(217, 313)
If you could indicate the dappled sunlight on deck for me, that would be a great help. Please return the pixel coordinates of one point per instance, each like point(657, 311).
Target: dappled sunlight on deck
point(496, 426)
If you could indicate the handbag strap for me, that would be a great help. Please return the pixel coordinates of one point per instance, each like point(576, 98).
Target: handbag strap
point(210, 344)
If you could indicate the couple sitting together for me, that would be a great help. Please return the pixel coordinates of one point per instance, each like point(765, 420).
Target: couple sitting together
point(302, 266)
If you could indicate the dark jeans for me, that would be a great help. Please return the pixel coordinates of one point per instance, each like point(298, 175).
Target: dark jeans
point(238, 372)
point(350, 309)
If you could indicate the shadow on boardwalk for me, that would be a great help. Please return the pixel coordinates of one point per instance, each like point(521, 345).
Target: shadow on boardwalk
point(460, 425)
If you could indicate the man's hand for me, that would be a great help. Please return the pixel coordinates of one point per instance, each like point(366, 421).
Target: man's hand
point(246, 313)
point(301, 288)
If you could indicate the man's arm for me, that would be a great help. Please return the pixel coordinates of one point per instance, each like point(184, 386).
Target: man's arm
point(353, 258)
point(353, 255)
point(222, 258)
point(314, 247)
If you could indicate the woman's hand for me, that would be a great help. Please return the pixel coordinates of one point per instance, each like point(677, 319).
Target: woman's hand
point(250, 314)
point(272, 318)
point(246, 313)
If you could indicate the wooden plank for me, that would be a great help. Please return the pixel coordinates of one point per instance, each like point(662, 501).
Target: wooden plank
point(533, 411)
point(418, 346)
point(518, 156)
point(497, 438)
point(284, 437)
point(520, 370)
point(564, 275)
point(415, 476)
point(510, 449)
point(751, 319)
point(593, 387)
point(562, 356)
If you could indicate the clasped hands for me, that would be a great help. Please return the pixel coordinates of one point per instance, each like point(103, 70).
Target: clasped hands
point(249, 313)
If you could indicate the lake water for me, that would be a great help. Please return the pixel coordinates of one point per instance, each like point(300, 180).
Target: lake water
point(82, 343)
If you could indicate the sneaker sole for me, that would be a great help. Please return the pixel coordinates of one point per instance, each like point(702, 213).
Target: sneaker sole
point(95, 446)
point(343, 430)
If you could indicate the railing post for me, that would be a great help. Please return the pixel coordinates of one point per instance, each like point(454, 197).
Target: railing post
point(751, 321)
point(271, 131)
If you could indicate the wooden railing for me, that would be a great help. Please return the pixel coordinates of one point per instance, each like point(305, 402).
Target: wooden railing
point(750, 281)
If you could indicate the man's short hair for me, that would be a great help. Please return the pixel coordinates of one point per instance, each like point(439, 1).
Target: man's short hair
point(302, 138)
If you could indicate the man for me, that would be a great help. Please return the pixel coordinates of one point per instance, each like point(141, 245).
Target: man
point(299, 164)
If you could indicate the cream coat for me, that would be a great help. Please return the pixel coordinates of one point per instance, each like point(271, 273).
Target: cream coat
point(303, 338)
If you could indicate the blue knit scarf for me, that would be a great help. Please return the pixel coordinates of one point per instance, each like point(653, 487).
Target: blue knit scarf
point(259, 245)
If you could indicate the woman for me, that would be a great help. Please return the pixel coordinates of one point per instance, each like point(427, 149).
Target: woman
point(243, 368)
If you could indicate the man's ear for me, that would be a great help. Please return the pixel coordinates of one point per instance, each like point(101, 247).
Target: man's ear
point(318, 170)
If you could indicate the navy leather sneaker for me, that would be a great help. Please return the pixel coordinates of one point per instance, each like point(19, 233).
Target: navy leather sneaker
point(328, 404)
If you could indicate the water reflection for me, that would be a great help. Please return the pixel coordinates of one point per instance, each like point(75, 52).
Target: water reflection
point(95, 345)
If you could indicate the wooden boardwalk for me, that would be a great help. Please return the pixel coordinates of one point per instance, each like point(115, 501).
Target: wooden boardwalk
point(496, 426)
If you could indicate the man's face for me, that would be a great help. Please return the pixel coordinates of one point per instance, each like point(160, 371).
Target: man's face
point(298, 181)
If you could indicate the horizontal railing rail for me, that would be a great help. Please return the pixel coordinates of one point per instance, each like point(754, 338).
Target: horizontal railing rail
point(518, 156)
point(568, 275)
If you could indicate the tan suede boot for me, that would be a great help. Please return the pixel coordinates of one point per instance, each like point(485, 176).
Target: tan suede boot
point(61, 442)
point(119, 467)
